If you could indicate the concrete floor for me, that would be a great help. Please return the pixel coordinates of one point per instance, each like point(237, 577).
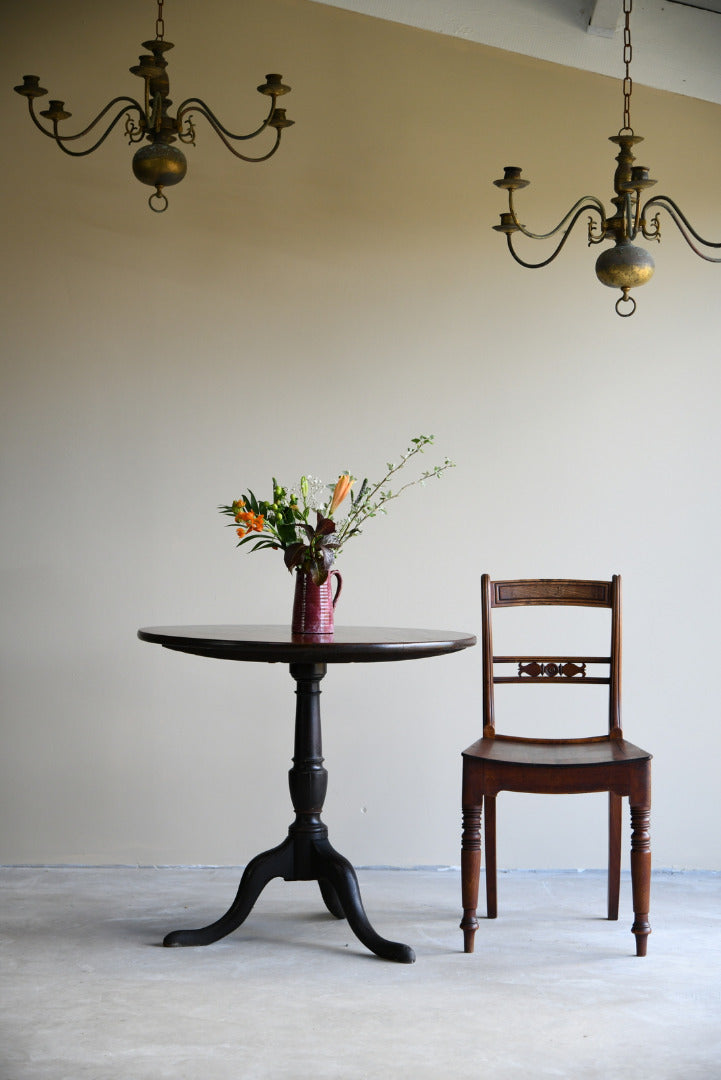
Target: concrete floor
point(553, 989)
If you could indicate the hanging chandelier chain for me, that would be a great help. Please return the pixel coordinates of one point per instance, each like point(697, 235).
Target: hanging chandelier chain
point(627, 56)
point(159, 23)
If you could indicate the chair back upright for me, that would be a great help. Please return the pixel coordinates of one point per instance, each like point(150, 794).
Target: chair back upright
point(546, 669)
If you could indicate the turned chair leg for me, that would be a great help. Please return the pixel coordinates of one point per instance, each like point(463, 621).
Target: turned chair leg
point(641, 874)
point(614, 853)
point(490, 844)
point(470, 873)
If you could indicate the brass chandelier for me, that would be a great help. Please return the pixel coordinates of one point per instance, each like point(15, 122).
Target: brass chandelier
point(624, 266)
point(159, 163)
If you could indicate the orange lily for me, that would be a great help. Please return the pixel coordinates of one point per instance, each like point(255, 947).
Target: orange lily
point(343, 486)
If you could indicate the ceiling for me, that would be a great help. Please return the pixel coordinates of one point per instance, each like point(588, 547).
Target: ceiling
point(708, 5)
point(676, 43)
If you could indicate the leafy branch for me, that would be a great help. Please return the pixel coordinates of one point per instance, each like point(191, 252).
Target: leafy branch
point(373, 499)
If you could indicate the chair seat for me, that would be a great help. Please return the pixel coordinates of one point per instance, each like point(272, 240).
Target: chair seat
point(540, 752)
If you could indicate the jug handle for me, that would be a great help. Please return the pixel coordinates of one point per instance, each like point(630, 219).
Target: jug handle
point(339, 585)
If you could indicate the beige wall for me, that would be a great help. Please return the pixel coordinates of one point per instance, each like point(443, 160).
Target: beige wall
point(312, 314)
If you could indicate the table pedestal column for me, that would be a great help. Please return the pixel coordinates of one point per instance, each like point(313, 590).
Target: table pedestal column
point(306, 854)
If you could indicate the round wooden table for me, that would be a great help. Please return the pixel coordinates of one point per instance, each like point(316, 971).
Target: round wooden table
point(306, 854)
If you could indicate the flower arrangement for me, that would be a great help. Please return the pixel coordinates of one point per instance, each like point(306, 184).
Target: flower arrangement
point(284, 522)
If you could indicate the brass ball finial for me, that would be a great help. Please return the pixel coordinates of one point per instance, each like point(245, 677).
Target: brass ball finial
point(624, 266)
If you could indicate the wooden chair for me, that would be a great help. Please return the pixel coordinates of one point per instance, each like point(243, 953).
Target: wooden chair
point(565, 766)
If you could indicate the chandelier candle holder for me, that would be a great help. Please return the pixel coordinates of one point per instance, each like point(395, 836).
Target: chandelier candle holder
point(623, 266)
point(159, 163)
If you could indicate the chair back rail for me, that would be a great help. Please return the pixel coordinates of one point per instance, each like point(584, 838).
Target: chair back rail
point(531, 591)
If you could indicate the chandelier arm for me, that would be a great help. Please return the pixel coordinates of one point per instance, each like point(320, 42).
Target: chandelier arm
point(586, 202)
point(564, 238)
point(632, 215)
point(131, 103)
point(637, 216)
point(679, 217)
point(218, 129)
point(99, 142)
point(538, 266)
point(196, 103)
